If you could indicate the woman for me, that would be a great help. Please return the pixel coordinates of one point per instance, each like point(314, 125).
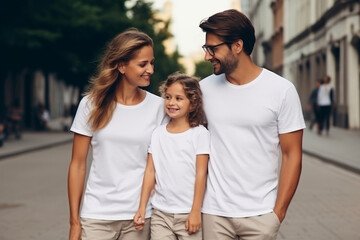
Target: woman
point(116, 118)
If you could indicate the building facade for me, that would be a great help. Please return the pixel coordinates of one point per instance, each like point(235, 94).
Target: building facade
point(311, 39)
point(30, 89)
point(262, 18)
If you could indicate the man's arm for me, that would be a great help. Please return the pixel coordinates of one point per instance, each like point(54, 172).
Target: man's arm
point(291, 148)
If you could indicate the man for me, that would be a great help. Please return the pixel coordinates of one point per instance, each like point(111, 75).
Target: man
point(312, 104)
point(252, 113)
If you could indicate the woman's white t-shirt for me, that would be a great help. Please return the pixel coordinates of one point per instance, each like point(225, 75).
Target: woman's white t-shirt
point(174, 157)
point(119, 153)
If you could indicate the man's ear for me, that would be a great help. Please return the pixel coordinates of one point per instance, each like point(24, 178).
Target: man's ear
point(238, 46)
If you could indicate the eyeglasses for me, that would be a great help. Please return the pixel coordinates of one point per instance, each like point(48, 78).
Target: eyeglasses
point(210, 49)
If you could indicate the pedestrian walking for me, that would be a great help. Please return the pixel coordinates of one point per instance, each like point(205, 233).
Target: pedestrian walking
point(326, 104)
point(312, 105)
point(14, 119)
point(253, 115)
point(177, 164)
point(116, 118)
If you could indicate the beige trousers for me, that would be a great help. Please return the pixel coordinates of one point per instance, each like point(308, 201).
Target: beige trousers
point(113, 230)
point(262, 227)
point(168, 226)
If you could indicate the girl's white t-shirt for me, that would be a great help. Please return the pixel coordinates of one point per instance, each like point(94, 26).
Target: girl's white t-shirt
point(174, 157)
point(119, 156)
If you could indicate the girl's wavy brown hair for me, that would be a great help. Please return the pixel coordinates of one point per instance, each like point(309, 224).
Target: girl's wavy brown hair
point(121, 49)
point(192, 91)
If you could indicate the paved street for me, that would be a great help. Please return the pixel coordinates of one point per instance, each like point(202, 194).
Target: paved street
point(33, 200)
point(326, 205)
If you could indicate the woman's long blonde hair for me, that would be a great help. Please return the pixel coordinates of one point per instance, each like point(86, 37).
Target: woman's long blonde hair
point(121, 49)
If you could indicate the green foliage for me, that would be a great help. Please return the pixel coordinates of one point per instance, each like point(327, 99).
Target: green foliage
point(203, 69)
point(67, 37)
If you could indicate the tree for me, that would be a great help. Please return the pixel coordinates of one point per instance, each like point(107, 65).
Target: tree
point(203, 69)
point(67, 37)
point(164, 64)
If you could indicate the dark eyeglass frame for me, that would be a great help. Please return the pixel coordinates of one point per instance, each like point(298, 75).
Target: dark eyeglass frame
point(210, 48)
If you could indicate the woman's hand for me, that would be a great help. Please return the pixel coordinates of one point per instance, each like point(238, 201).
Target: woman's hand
point(75, 232)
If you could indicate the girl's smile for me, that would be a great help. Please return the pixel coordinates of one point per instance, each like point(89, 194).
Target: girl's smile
point(177, 105)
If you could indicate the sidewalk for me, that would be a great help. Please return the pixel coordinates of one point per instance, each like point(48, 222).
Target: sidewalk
point(341, 147)
point(31, 141)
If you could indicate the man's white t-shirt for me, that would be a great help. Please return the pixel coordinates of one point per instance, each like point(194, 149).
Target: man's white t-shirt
point(119, 155)
point(244, 122)
point(174, 157)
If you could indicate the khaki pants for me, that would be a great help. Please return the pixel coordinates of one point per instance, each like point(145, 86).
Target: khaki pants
point(168, 226)
point(262, 227)
point(113, 230)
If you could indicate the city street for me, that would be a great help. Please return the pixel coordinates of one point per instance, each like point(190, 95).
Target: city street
point(33, 200)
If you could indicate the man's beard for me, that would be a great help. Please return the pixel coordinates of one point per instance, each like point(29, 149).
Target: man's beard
point(228, 65)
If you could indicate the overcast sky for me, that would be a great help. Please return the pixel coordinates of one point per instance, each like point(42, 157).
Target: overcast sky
point(187, 15)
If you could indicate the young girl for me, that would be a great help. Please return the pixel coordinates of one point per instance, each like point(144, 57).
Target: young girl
point(177, 164)
point(111, 120)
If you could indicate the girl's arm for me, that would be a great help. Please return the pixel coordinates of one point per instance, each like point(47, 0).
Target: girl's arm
point(76, 179)
point(147, 187)
point(193, 223)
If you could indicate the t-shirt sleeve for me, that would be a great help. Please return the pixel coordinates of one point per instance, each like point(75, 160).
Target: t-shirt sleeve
point(290, 116)
point(154, 139)
point(80, 124)
point(149, 147)
point(203, 141)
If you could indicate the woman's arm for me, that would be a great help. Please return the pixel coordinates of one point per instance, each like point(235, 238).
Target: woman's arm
point(76, 179)
point(193, 222)
point(147, 187)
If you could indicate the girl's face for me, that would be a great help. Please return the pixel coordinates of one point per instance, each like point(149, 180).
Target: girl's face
point(177, 105)
point(138, 70)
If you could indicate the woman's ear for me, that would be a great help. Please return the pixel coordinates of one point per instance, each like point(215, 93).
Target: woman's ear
point(121, 68)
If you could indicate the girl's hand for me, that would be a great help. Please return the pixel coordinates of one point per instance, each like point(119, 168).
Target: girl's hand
point(139, 220)
point(193, 222)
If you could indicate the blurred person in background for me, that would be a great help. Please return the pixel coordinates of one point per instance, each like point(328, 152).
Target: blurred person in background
point(312, 105)
point(326, 103)
point(14, 119)
point(42, 117)
point(116, 118)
